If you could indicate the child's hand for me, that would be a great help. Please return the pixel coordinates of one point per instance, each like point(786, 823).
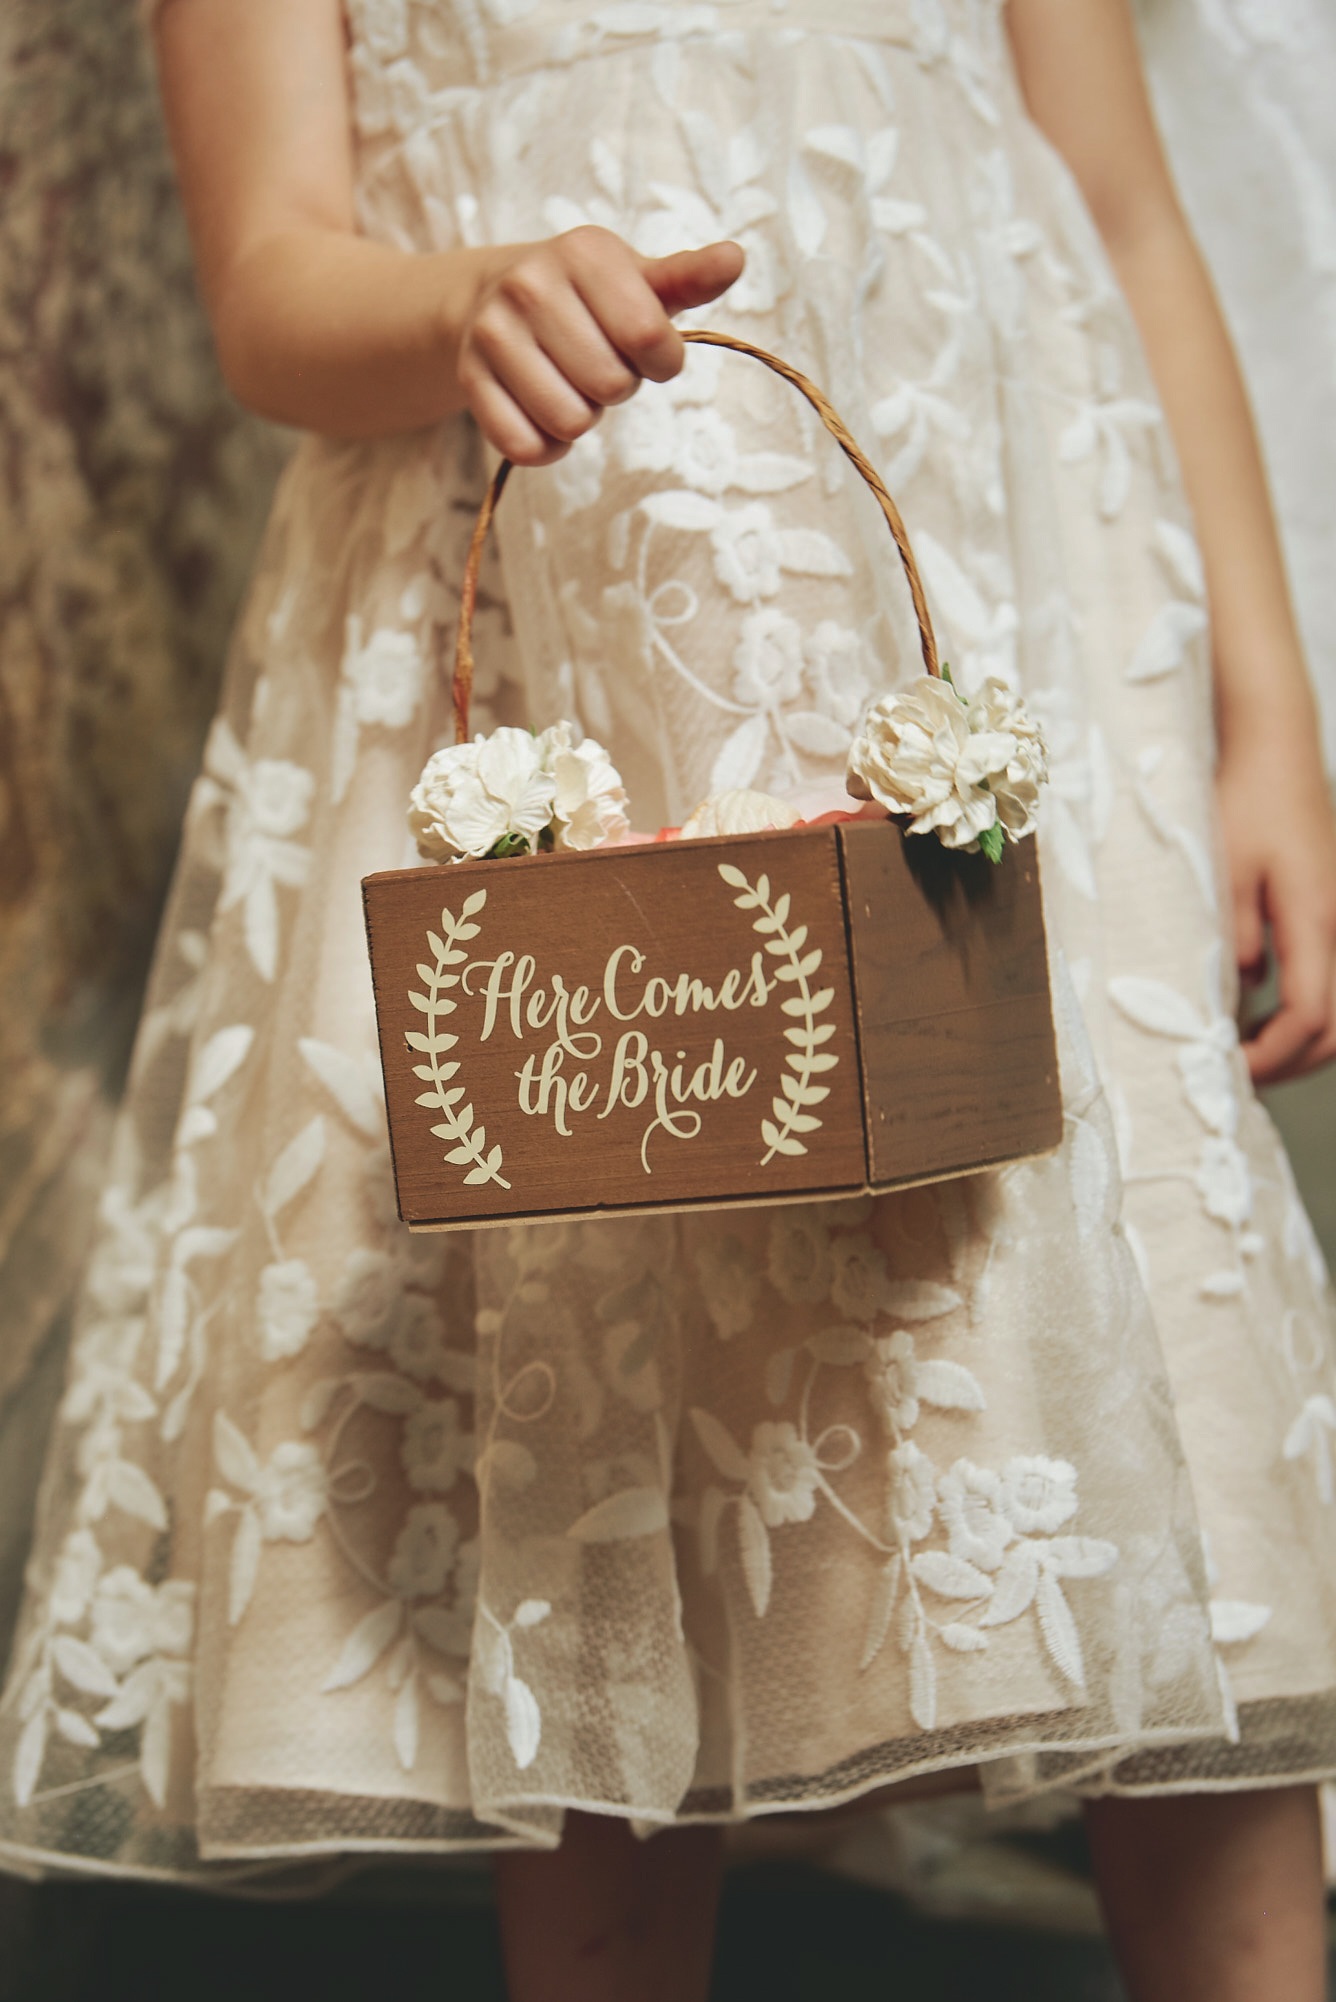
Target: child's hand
point(1281, 845)
point(567, 327)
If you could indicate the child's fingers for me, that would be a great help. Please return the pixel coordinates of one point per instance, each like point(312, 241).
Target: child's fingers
point(615, 287)
point(1249, 923)
point(506, 343)
point(1299, 1036)
point(694, 277)
point(505, 424)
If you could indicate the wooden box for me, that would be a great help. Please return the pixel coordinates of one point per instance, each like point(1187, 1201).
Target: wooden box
point(808, 1012)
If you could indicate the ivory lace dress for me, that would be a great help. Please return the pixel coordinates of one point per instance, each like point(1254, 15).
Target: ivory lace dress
point(357, 1540)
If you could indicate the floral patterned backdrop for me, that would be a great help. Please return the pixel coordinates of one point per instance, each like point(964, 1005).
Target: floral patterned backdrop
point(131, 493)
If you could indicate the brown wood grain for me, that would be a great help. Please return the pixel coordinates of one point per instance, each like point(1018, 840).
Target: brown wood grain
point(661, 913)
point(955, 1025)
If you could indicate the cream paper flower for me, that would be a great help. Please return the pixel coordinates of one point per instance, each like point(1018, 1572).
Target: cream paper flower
point(738, 811)
point(967, 771)
point(589, 801)
point(513, 793)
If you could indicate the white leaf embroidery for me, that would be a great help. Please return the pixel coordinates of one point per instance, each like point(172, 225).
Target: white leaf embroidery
point(918, 1299)
point(1153, 1005)
point(1222, 1285)
point(245, 1565)
point(76, 1730)
point(681, 508)
point(739, 758)
point(811, 553)
point(952, 1577)
point(214, 1065)
point(83, 1666)
point(949, 1385)
point(630, 1512)
point(131, 1489)
point(295, 1166)
point(1059, 1628)
point(524, 1722)
point(922, 1684)
point(807, 212)
point(1234, 1620)
point(755, 1546)
point(532, 1613)
point(28, 1756)
point(155, 1749)
point(1015, 1586)
point(1163, 646)
point(718, 1442)
point(133, 1700)
point(234, 1455)
point(406, 1724)
point(348, 1084)
point(881, 1610)
point(365, 1645)
point(962, 1639)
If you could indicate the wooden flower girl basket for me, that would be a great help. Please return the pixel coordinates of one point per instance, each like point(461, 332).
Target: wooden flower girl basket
point(812, 1011)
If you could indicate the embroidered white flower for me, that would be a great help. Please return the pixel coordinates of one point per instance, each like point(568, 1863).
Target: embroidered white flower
point(383, 675)
point(1037, 1495)
point(858, 1276)
point(738, 811)
point(705, 451)
point(436, 1448)
point(589, 802)
point(424, 1552)
point(748, 552)
point(893, 1375)
point(78, 1569)
point(977, 1528)
point(799, 1262)
point(286, 1309)
point(132, 1619)
point(1224, 1180)
point(729, 1282)
point(836, 660)
point(417, 1339)
point(912, 1501)
point(958, 769)
point(366, 1297)
point(768, 660)
point(291, 1493)
point(784, 1475)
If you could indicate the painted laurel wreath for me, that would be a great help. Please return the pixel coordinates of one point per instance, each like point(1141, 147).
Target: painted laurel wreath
point(797, 1093)
point(469, 1148)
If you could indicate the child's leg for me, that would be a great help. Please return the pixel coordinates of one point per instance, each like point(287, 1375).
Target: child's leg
point(1214, 1897)
point(608, 1918)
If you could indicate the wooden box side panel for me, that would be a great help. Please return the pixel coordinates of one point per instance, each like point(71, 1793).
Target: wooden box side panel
point(954, 1014)
point(612, 1031)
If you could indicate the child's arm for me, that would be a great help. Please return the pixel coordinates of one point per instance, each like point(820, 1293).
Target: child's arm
point(1080, 72)
point(319, 327)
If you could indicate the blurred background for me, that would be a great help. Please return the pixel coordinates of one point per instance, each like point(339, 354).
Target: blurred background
point(132, 493)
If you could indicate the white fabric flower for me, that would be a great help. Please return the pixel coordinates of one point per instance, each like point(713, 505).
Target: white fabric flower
point(1037, 1495)
point(738, 811)
point(893, 1374)
point(858, 1281)
point(132, 1619)
point(471, 796)
point(912, 1501)
point(589, 799)
point(424, 1552)
point(417, 1340)
point(383, 675)
point(291, 1494)
point(747, 552)
point(730, 1283)
point(77, 1571)
point(366, 1297)
point(287, 1308)
point(768, 659)
point(705, 451)
point(836, 660)
point(799, 1262)
point(1225, 1180)
point(957, 769)
point(435, 1447)
point(784, 1475)
point(978, 1529)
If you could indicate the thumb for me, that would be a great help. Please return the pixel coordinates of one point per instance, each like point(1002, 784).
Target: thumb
point(694, 277)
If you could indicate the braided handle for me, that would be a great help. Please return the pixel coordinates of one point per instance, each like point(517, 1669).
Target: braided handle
point(468, 597)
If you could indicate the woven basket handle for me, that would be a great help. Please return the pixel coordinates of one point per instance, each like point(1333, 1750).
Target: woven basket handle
point(463, 684)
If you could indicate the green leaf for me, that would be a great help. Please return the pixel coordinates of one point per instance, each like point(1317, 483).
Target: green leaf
point(509, 844)
point(992, 841)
